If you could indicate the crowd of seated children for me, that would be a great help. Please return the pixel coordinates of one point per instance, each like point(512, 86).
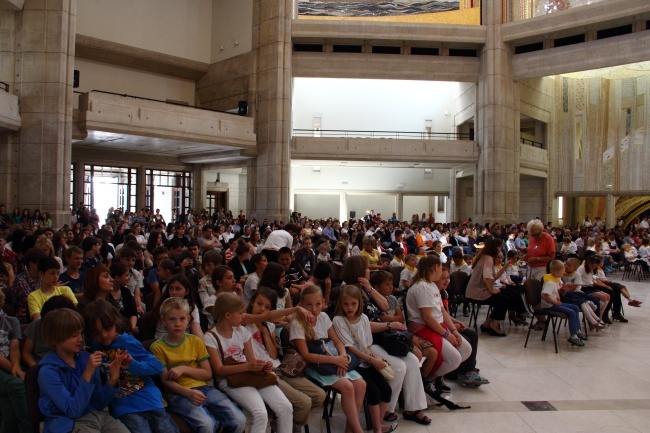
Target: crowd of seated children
point(108, 294)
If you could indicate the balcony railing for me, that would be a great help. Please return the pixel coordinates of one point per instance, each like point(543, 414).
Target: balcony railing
point(518, 10)
point(4, 86)
point(403, 135)
point(532, 143)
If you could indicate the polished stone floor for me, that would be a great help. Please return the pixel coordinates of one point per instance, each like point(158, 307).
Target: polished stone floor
point(602, 387)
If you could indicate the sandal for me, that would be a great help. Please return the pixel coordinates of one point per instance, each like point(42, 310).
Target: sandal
point(415, 416)
point(390, 417)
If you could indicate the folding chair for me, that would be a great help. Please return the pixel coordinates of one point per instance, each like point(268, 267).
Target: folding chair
point(534, 306)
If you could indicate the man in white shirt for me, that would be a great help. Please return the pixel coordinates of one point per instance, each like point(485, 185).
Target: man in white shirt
point(278, 239)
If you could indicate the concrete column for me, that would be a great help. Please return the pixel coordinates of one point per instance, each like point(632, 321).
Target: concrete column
point(497, 128)
point(610, 211)
point(272, 77)
point(141, 188)
point(43, 57)
point(78, 193)
point(198, 190)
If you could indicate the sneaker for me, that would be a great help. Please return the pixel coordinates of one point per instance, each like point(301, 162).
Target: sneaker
point(440, 385)
point(389, 428)
point(581, 335)
point(576, 341)
point(472, 380)
point(634, 303)
point(620, 318)
point(430, 389)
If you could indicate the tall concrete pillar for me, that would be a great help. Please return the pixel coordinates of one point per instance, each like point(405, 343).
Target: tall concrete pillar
point(43, 62)
point(610, 211)
point(497, 125)
point(269, 184)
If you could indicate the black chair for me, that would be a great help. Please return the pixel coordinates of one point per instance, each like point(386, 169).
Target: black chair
point(32, 391)
point(458, 284)
point(533, 304)
point(475, 307)
point(632, 269)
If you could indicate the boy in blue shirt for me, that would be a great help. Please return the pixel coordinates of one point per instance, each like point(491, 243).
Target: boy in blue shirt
point(138, 403)
point(72, 393)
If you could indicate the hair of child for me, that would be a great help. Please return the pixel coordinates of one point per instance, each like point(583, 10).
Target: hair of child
point(71, 250)
point(213, 258)
point(457, 255)
point(88, 243)
point(256, 259)
point(512, 254)
point(556, 265)
point(158, 251)
point(574, 260)
point(268, 294)
point(354, 267)
point(410, 257)
point(33, 255)
point(55, 303)
point(48, 244)
point(285, 250)
point(218, 274)
point(310, 334)
point(426, 265)
point(241, 250)
point(353, 292)
point(169, 265)
point(398, 252)
point(128, 253)
point(380, 277)
point(227, 303)
point(61, 324)
point(271, 278)
point(445, 267)
point(104, 313)
point(169, 304)
point(118, 269)
point(91, 281)
point(47, 263)
point(322, 270)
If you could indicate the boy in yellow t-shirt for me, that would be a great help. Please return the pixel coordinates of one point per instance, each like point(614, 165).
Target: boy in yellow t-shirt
point(186, 370)
point(48, 271)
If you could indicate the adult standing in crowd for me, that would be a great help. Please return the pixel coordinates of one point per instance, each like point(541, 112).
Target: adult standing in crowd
point(541, 249)
point(278, 239)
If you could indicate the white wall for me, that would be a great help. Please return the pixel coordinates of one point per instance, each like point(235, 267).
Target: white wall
point(232, 28)
point(366, 179)
point(174, 27)
point(312, 205)
point(373, 105)
point(385, 204)
point(102, 76)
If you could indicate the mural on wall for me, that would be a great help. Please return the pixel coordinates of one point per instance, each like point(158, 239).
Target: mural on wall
point(375, 8)
point(420, 11)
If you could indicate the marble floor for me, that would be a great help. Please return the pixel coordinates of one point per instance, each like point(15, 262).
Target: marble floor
point(601, 387)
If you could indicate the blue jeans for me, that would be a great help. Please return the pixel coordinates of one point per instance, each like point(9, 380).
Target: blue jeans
point(218, 411)
point(151, 421)
point(573, 313)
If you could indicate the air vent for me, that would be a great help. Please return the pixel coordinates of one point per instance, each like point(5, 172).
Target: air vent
point(569, 40)
point(459, 52)
point(425, 51)
point(347, 49)
point(308, 48)
point(379, 49)
point(529, 48)
point(615, 31)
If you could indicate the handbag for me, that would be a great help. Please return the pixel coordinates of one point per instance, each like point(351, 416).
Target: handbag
point(325, 346)
point(256, 379)
point(293, 365)
point(387, 371)
point(395, 343)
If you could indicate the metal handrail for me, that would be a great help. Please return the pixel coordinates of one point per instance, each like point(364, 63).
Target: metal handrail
point(158, 100)
point(532, 143)
point(419, 135)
